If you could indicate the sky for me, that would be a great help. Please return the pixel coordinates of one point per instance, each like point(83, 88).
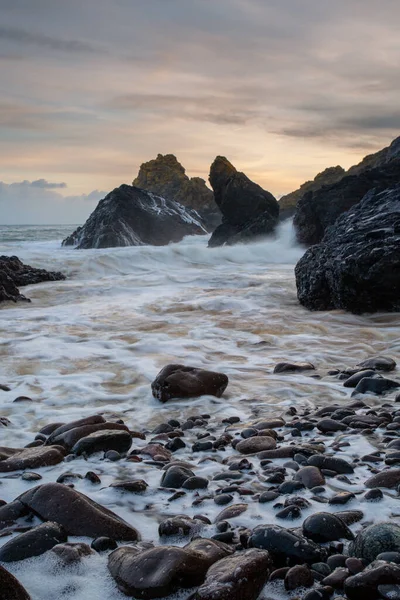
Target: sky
point(90, 89)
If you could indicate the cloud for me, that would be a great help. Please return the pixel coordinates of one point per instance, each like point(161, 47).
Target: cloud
point(92, 89)
point(23, 36)
point(36, 202)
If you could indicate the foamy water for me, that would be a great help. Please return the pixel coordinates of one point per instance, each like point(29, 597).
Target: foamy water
point(94, 343)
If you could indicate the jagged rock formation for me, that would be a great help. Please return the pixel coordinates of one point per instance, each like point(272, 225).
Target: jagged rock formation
point(248, 210)
point(14, 273)
point(318, 210)
point(372, 161)
point(288, 203)
point(356, 267)
point(166, 177)
point(129, 216)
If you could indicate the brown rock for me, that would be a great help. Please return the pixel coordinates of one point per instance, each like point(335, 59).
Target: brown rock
point(256, 444)
point(78, 514)
point(179, 381)
point(32, 458)
point(10, 587)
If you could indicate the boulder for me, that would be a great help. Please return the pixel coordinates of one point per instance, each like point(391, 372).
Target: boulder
point(375, 539)
point(248, 211)
point(10, 587)
point(166, 177)
point(99, 441)
point(317, 210)
point(178, 381)
point(356, 265)
point(33, 543)
point(239, 577)
point(14, 273)
point(78, 514)
point(32, 458)
point(161, 571)
point(129, 216)
point(283, 544)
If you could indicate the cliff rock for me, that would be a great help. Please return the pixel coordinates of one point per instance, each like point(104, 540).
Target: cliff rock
point(129, 216)
point(166, 177)
point(288, 203)
point(248, 211)
point(356, 267)
point(318, 210)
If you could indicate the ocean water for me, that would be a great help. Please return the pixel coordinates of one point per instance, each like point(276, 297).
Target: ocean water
point(93, 344)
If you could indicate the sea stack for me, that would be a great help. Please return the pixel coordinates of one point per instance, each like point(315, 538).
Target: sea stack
point(166, 177)
point(248, 211)
point(130, 216)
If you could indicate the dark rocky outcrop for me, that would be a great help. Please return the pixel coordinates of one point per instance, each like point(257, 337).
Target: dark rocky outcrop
point(179, 381)
point(288, 203)
point(356, 267)
point(14, 274)
point(318, 210)
point(10, 587)
point(248, 211)
point(166, 177)
point(78, 514)
point(129, 216)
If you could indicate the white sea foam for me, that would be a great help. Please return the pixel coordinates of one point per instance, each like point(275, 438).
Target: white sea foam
point(94, 343)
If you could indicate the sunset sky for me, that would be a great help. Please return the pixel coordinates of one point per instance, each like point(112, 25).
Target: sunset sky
point(92, 88)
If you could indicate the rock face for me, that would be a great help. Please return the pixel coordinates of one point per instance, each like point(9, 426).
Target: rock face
point(14, 273)
point(318, 210)
point(166, 177)
point(129, 216)
point(356, 266)
point(248, 211)
point(288, 203)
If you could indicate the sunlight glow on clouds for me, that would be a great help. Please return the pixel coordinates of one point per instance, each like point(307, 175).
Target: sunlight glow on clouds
point(92, 89)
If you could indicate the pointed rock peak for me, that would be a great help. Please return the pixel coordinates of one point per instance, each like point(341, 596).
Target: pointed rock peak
point(221, 169)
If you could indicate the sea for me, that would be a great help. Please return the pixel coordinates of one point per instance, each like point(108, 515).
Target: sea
point(94, 343)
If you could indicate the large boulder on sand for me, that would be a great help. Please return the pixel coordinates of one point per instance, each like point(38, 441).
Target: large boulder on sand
point(166, 177)
point(14, 273)
point(356, 266)
point(129, 216)
point(248, 211)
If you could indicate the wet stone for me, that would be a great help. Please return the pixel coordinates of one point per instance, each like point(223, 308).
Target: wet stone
point(310, 476)
point(72, 552)
point(33, 543)
point(256, 444)
point(268, 496)
point(102, 544)
point(284, 544)
point(290, 512)
point(135, 486)
point(326, 527)
point(238, 577)
point(180, 381)
point(195, 483)
point(378, 363)
point(11, 588)
point(223, 499)
point(375, 539)
point(231, 512)
point(175, 477)
point(298, 576)
point(386, 479)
